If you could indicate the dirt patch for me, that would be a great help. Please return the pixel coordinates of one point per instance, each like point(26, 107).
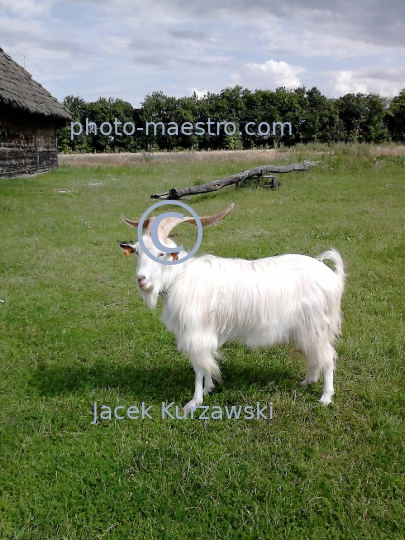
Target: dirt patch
point(388, 151)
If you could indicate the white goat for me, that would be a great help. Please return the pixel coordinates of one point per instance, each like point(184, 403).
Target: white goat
point(209, 300)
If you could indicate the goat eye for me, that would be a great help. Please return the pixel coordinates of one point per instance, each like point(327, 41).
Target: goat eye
point(161, 254)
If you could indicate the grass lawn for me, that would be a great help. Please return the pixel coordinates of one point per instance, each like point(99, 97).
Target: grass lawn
point(74, 331)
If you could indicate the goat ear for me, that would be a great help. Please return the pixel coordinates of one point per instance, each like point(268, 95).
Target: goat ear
point(175, 256)
point(134, 224)
point(127, 248)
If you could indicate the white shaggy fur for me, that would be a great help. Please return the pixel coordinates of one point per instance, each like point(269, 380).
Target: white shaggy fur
point(209, 300)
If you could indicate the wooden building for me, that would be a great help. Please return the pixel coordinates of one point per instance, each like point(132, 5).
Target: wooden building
point(29, 118)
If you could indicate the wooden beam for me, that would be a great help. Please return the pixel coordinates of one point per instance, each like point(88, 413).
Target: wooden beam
point(259, 172)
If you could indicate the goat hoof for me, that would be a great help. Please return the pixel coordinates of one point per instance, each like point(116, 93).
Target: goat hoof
point(325, 400)
point(193, 404)
point(208, 389)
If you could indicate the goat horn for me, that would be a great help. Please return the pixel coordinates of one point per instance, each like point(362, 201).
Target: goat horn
point(135, 224)
point(168, 224)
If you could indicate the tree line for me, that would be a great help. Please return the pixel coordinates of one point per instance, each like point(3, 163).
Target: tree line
point(314, 117)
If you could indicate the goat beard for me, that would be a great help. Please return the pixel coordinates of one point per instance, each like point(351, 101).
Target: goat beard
point(150, 298)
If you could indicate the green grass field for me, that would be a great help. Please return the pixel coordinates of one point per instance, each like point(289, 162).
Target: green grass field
point(74, 331)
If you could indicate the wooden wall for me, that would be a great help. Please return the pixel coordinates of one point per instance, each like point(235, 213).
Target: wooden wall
point(28, 143)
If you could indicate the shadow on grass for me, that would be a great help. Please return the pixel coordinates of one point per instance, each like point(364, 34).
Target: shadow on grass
point(158, 382)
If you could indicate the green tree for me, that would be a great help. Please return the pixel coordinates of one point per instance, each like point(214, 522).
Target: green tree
point(320, 119)
point(157, 110)
point(114, 111)
point(395, 117)
point(78, 109)
point(362, 118)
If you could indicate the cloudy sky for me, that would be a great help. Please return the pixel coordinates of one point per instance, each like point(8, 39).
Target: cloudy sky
point(130, 48)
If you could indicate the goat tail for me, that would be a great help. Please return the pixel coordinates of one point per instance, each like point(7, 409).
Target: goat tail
point(207, 362)
point(215, 371)
point(334, 256)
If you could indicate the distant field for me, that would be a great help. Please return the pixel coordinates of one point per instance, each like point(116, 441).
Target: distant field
point(73, 331)
point(266, 156)
point(127, 158)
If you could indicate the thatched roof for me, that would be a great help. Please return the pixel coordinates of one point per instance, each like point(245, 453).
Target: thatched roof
point(19, 90)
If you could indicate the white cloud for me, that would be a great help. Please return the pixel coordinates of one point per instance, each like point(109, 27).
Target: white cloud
point(199, 93)
point(344, 83)
point(271, 74)
point(125, 49)
point(27, 9)
point(112, 44)
point(383, 82)
point(379, 22)
point(314, 44)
